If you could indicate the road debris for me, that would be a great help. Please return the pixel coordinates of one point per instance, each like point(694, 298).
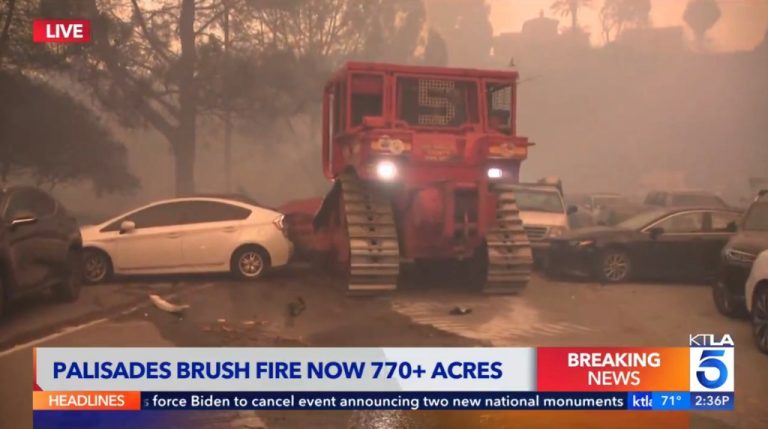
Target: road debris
point(460, 311)
point(294, 310)
point(166, 306)
point(297, 307)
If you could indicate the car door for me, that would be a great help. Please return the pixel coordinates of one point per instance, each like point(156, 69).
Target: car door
point(34, 243)
point(211, 232)
point(718, 229)
point(676, 251)
point(154, 246)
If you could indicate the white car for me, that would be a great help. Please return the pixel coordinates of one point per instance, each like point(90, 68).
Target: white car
point(544, 215)
point(756, 294)
point(187, 235)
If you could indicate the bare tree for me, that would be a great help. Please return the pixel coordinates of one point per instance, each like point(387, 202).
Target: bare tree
point(701, 15)
point(616, 15)
point(171, 63)
point(570, 8)
point(465, 27)
point(436, 51)
point(74, 146)
point(142, 65)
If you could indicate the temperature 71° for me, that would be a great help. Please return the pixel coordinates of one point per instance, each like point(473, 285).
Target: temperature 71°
point(670, 399)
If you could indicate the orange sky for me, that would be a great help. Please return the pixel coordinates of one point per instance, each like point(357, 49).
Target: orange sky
point(742, 25)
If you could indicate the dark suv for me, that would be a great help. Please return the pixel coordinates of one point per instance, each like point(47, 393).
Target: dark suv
point(738, 256)
point(40, 246)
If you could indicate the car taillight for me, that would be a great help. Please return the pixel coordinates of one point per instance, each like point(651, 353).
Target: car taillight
point(279, 223)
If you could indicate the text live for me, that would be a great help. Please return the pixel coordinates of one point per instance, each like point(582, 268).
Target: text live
point(61, 31)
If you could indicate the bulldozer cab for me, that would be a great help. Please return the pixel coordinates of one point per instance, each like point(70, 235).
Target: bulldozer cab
point(417, 107)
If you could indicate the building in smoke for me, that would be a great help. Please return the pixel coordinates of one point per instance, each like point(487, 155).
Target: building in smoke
point(539, 37)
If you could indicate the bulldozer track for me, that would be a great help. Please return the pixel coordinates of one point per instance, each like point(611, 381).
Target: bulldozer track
point(374, 263)
point(510, 259)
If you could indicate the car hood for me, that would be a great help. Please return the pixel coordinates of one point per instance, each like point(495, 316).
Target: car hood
point(543, 218)
point(595, 232)
point(752, 242)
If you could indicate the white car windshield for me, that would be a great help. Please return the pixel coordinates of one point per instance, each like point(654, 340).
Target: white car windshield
point(539, 201)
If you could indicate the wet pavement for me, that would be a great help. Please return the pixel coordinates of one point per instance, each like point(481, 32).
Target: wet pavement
point(227, 313)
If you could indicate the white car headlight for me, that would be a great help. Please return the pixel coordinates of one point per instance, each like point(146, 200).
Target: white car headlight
point(495, 173)
point(386, 170)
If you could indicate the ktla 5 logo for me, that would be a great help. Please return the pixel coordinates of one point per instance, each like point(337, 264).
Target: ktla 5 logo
point(61, 31)
point(711, 363)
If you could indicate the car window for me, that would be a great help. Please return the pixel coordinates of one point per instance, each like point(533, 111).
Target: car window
point(654, 199)
point(683, 223)
point(721, 220)
point(610, 201)
point(701, 200)
point(211, 211)
point(160, 215)
point(640, 220)
point(33, 201)
point(757, 217)
point(648, 199)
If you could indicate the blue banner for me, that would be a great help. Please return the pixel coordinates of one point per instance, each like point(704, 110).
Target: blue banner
point(383, 401)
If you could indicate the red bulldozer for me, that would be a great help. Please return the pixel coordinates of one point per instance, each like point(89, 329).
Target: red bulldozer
point(421, 159)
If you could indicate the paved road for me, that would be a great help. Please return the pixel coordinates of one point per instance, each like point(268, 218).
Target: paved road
point(242, 314)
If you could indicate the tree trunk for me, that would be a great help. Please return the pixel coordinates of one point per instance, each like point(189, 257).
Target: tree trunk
point(185, 142)
point(184, 157)
point(4, 33)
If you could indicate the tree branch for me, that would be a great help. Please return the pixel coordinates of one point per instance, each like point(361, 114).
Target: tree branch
point(6, 28)
point(151, 37)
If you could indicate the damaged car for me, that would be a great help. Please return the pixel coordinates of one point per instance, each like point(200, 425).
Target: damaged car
point(657, 244)
point(40, 246)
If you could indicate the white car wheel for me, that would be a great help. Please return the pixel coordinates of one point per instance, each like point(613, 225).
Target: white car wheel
point(760, 319)
point(96, 266)
point(249, 263)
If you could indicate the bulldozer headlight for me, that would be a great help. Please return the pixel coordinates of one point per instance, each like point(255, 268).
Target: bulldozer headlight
point(495, 173)
point(386, 170)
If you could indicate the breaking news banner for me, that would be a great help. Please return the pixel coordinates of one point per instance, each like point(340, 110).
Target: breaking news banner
point(134, 380)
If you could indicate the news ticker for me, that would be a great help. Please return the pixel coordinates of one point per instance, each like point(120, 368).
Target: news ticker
point(699, 377)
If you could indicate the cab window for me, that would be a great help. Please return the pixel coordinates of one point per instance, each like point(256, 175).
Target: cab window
point(499, 100)
point(340, 108)
point(367, 97)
